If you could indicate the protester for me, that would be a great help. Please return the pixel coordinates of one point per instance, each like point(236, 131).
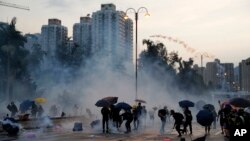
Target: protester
point(105, 118)
point(162, 113)
point(178, 117)
point(128, 116)
point(188, 120)
point(13, 109)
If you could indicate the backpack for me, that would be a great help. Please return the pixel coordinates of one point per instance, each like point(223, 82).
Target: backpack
point(179, 117)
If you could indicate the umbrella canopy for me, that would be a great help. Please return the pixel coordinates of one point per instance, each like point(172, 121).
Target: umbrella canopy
point(239, 102)
point(204, 117)
point(186, 103)
point(40, 100)
point(102, 103)
point(140, 101)
point(209, 107)
point(111, 99)
point(25, 105)
point(123, 105)
point(199, 104)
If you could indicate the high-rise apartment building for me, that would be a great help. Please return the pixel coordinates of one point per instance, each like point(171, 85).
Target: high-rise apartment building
point(220, 75)
point(244, 73)
point(82, 34)
point(53, 35)
point(112, 35)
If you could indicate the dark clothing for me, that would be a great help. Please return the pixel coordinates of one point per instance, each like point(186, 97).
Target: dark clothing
point(116, 117)
point(105, 118)
point(129, 118)
point(135, 118)
point(178, 117)
point(13, 109)
point(162, 113)
point(188, 121)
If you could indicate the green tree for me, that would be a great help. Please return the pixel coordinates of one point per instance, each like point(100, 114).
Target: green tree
point(13, 58)
point(169, 68)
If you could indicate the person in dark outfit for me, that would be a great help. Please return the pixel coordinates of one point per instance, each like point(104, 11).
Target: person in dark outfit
point(139, 114)
point(105, 118)
point(222, 118)
point(128, 116)
point(116, 117)
point(13, 109)
point(188, 121)
point(178, 117)
point(162, 113)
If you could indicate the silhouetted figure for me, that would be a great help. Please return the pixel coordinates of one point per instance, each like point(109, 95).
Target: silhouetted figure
point(162, 113)
point(34, 110)
point(188, 120)
point(139, 114)
point(128, 116)
point(178, 117)
point(105, 118)
point(13, 109)
point(63, 115)
point(222, 118)
point(116, 117)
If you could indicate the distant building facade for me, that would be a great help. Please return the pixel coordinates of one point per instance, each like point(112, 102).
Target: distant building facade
point(53, 35)
point(112, 35)
point(82, 34)
point(244, 73)
point(220, 75)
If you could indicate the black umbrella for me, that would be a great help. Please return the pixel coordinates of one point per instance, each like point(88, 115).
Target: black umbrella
point(186, 103)
point(205, 117)
point(102, 103)
point(111, 99)
point(239, 102)
point(123, 105)
point(209, 107)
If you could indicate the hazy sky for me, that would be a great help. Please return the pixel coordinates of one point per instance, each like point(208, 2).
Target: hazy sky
point(219, 27)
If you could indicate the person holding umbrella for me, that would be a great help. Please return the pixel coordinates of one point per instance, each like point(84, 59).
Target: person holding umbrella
point(105, 118)
point(188, 120)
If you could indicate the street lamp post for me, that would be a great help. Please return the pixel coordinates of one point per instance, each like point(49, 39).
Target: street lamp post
point(136, 39)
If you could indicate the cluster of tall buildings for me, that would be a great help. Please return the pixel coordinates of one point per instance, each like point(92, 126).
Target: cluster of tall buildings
point(226, 77)
point(105, 33)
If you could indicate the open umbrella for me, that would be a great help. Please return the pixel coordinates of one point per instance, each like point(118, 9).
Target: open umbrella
point(102, 103)
point(186, 103)
point(204, 117)
point(140, 101)
point(209, 107)
point(123, 105)
point(25, 105)
point(239, 102)
point(111, 99)
point(40, 100)
point(199, 104)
